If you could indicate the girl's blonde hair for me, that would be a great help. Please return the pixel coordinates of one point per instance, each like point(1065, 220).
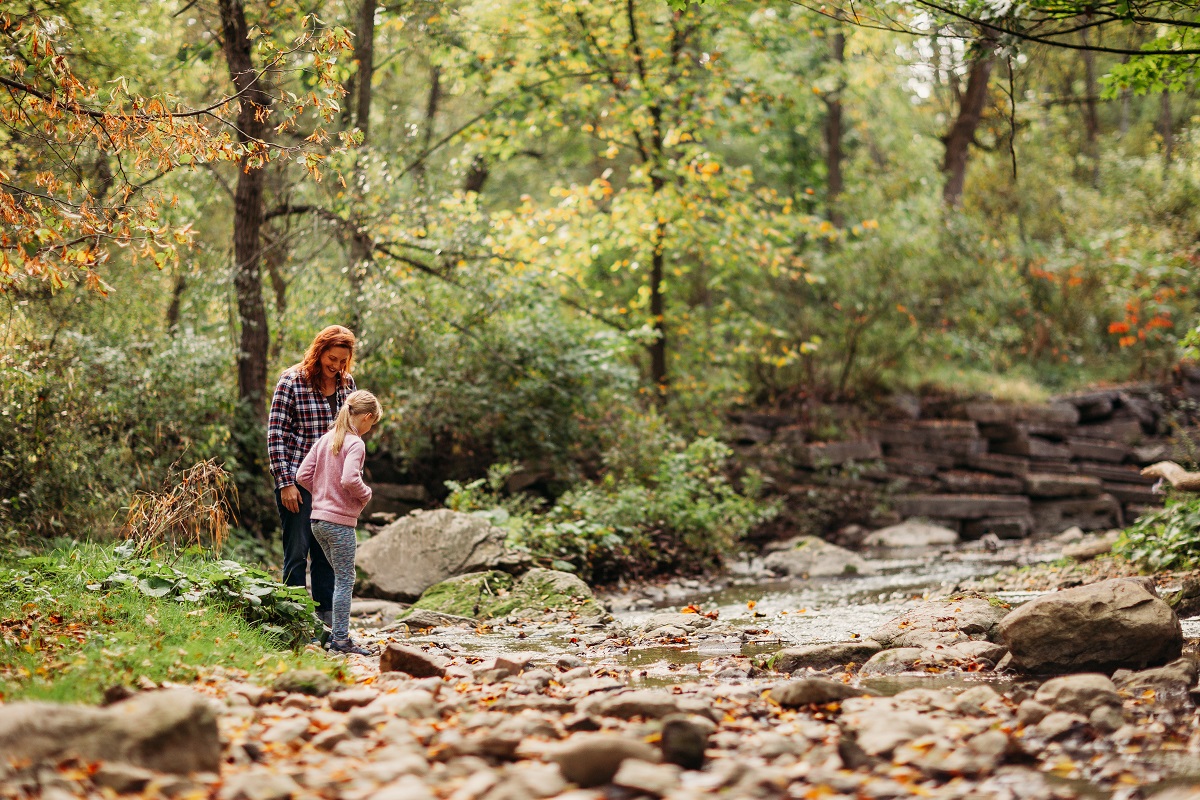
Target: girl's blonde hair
point(360, 402)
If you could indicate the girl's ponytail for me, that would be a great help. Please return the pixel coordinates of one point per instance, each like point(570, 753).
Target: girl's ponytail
point(360, 402)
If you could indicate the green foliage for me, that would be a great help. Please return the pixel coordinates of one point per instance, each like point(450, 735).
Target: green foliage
point(502, 375)
point(651, 512)
point(284, 612)
point(82, 618)
point(544, 191)
point(1166, 539)
point(87, 423)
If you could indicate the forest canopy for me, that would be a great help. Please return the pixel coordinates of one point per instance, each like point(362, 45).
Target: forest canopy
point(546, 221)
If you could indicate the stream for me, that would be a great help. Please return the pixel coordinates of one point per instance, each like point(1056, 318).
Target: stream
point(761, 615)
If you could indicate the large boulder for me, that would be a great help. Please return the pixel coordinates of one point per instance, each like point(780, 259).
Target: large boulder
point(1095, 628)
point(808, 555)
point(427, 547)
point(487, 595)
point(943, 622)
point(168, 731)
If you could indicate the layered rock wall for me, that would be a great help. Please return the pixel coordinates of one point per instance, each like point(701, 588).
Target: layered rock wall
point(982, 466)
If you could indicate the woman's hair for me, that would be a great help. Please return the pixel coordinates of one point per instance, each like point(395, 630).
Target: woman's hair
point(359, 402)
point(333, 336)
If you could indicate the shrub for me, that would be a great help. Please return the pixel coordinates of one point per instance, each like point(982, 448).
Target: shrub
point(647, 514)
point(1166, 539)
point(517, 379)
point(85, 425)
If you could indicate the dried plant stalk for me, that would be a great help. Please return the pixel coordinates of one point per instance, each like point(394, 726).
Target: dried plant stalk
point(194, 509)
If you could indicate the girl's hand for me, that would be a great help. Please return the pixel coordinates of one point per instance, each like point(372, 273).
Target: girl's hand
point(290, 497)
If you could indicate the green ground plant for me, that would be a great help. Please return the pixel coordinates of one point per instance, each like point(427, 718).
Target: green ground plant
point(81, 618)
point(1166, 539)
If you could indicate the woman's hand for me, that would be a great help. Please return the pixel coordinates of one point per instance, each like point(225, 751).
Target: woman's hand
point(290, 497)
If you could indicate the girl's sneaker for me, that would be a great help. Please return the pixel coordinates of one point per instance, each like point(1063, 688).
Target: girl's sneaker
point(348, 646)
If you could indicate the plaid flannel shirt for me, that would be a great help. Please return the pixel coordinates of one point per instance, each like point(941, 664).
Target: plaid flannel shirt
point(299, 416)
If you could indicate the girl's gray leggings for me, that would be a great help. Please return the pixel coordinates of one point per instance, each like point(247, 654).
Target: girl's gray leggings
point(339, 544)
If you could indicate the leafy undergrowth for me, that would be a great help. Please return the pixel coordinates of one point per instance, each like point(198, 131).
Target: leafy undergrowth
point(1167, 538)
point(83, 618)
point(669, 507)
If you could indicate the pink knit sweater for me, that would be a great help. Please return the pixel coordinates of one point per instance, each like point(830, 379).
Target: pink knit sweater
point(338, 492)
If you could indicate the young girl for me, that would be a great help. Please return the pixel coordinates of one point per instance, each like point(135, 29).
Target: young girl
point(332, 472)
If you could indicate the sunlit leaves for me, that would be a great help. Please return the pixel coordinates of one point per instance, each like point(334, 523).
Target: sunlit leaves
point(58, 224)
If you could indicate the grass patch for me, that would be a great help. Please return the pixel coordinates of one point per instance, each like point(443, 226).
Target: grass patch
point(967, 381)
point(63, 641)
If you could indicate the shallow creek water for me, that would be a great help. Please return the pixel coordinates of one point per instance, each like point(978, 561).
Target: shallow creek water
point(758, 616)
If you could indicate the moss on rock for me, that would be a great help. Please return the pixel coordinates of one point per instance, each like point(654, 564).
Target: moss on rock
point(547, 589)
point(475, 594)
point(487, 595)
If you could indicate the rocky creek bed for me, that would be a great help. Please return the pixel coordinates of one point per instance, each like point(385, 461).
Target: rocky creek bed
point(901, 678)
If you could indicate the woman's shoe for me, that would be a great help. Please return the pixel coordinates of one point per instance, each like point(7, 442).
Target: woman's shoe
point(348, 646)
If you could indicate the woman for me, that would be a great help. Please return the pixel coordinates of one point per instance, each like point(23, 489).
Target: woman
point(306, 400)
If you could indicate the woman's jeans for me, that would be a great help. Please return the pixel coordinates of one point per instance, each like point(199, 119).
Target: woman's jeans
point(339, 543)
point(299, 547)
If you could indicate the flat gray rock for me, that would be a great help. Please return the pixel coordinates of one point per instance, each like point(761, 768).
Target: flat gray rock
point(411, 661)
point(911, 533)
point(419, 618)
point(824, 655)
point(1171, 684)
point(808, 691)
point(943, 622)
point(168, 731)
point(1078, 694)
point(592, 759)
point(646, 703)
point(808, 555)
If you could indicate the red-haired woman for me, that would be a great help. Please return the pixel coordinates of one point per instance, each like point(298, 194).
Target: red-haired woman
point(306, 400)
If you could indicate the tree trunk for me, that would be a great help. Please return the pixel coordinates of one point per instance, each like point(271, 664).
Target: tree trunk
point(1126, 106)
point(658, 348)
point(364, 55)
point(962, 132)
point(247, 210)
point(176, 300)
point(276, 257)
point(653, 156)
point(1091, 115)
point(431, 109)
point(833, 134)
point(362, 245)
point(1168, 132)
